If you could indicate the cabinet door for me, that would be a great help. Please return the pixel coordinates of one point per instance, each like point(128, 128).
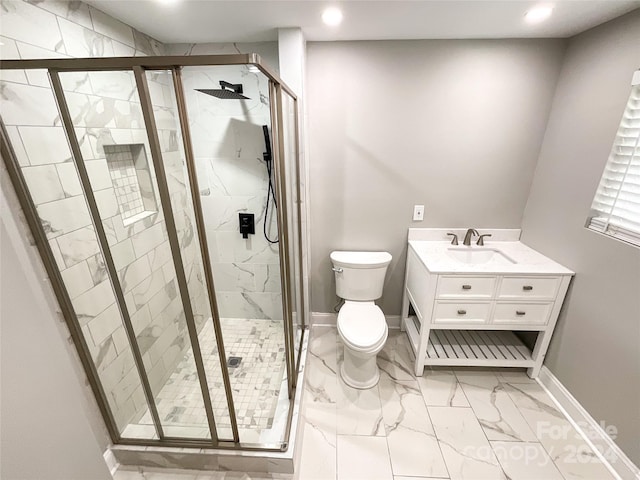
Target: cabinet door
point(522, 313)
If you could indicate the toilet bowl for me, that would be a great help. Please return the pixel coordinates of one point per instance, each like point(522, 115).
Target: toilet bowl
point(361, 324)
point(363, 331)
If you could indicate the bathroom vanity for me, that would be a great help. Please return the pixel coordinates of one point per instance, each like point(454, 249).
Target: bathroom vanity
point(468, 305)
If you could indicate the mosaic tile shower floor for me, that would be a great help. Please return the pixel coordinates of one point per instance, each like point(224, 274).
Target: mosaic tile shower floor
point(255, 382)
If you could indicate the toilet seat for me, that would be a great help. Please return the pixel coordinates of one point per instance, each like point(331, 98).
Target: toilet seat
point(362, 326)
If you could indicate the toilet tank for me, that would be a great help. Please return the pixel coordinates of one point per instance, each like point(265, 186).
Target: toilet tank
point(360, 275)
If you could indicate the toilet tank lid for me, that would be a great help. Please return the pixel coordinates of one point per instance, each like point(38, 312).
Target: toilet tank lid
point(361, 259)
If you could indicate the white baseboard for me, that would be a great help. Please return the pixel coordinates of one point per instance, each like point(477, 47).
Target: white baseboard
point(614, 458)
point(111, 461)
point(330, 319)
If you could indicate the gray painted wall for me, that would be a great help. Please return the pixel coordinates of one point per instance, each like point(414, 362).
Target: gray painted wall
point(46, 431)
point(595, 350)
point(455, 125)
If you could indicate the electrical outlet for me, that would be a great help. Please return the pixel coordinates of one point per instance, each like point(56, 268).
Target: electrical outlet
point(418, 213)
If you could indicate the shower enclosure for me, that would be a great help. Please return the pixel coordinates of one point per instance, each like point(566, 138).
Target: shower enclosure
point(135, 176)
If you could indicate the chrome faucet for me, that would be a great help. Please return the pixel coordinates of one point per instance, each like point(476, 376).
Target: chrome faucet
point(467, 237)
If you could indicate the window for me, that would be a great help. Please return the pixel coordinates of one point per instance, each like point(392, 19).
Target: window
point(616, 207)
point(131, 181)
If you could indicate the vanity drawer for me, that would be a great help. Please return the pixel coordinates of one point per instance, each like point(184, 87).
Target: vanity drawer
point(529, 287)
point(445, 312)
point(456, 286)
point(522, 313)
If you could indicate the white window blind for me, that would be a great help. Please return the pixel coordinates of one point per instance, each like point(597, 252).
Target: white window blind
point(616, 206)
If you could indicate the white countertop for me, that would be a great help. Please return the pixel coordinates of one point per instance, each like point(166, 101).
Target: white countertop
point(434, 256)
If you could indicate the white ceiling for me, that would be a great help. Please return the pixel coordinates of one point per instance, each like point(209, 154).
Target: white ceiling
point(201, 21)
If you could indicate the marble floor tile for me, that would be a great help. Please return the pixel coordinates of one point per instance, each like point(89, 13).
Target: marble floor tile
point(567, 448)
point(321, 376)
point(402, 477)
point(498, 415)
point(396, 358)
point(363, 458)
point(466, 451)
point(440, 388)
point(413, 446)
point(525, 461)
point(432, 427)
point(358, 411)
point(513, 375)
point(318, 457)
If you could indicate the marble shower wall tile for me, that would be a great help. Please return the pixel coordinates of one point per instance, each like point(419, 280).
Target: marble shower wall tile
point(245, 277)
point(232, 248)
point(30, 24)
point(9, 51)
point(69, 181)
point(112, 28)
point(45, 145)
point(61, 217)
point(44, 183)
point(74, 11)
point(27, 105)
point(77, 279)
point(84, 42)
point(18, 146)
point(250, 305)
point(229, 144)
point(104, 108)
point(78, 245)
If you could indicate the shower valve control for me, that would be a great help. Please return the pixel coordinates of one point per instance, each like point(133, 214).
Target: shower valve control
point(247, 224)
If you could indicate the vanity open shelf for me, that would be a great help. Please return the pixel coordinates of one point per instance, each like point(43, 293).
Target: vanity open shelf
point(461, 310)
point(500, 348)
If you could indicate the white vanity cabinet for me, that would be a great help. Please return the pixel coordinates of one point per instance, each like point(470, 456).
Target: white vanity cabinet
point(469, 315)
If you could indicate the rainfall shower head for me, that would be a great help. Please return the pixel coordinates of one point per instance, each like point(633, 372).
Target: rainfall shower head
point(229, 91)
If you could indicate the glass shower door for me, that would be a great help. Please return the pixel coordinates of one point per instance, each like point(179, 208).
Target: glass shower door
point(229, 110)
point(292, 182)
point(144, 186)
point(123, 170)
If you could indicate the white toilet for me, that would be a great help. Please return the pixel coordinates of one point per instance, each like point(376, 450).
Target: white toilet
point(361, 324)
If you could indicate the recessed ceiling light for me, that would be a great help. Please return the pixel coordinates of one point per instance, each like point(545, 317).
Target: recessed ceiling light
point(538, 14)
point(167, 2)
point(332, 16)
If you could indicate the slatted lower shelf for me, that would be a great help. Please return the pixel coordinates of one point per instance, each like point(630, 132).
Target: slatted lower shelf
point(496, 348)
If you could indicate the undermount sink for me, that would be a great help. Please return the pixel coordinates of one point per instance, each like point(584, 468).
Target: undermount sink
point(479, 255)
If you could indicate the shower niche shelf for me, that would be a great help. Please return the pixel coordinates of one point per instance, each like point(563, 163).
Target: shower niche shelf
point(132, 182)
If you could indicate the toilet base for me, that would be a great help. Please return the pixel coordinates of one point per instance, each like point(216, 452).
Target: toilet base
point(359, 385)
point(359, 371)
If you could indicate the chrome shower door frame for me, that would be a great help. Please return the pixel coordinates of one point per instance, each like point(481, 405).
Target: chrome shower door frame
point(139, 66)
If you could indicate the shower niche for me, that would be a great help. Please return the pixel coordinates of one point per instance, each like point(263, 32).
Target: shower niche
point(131, 180)
point(190, 335)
